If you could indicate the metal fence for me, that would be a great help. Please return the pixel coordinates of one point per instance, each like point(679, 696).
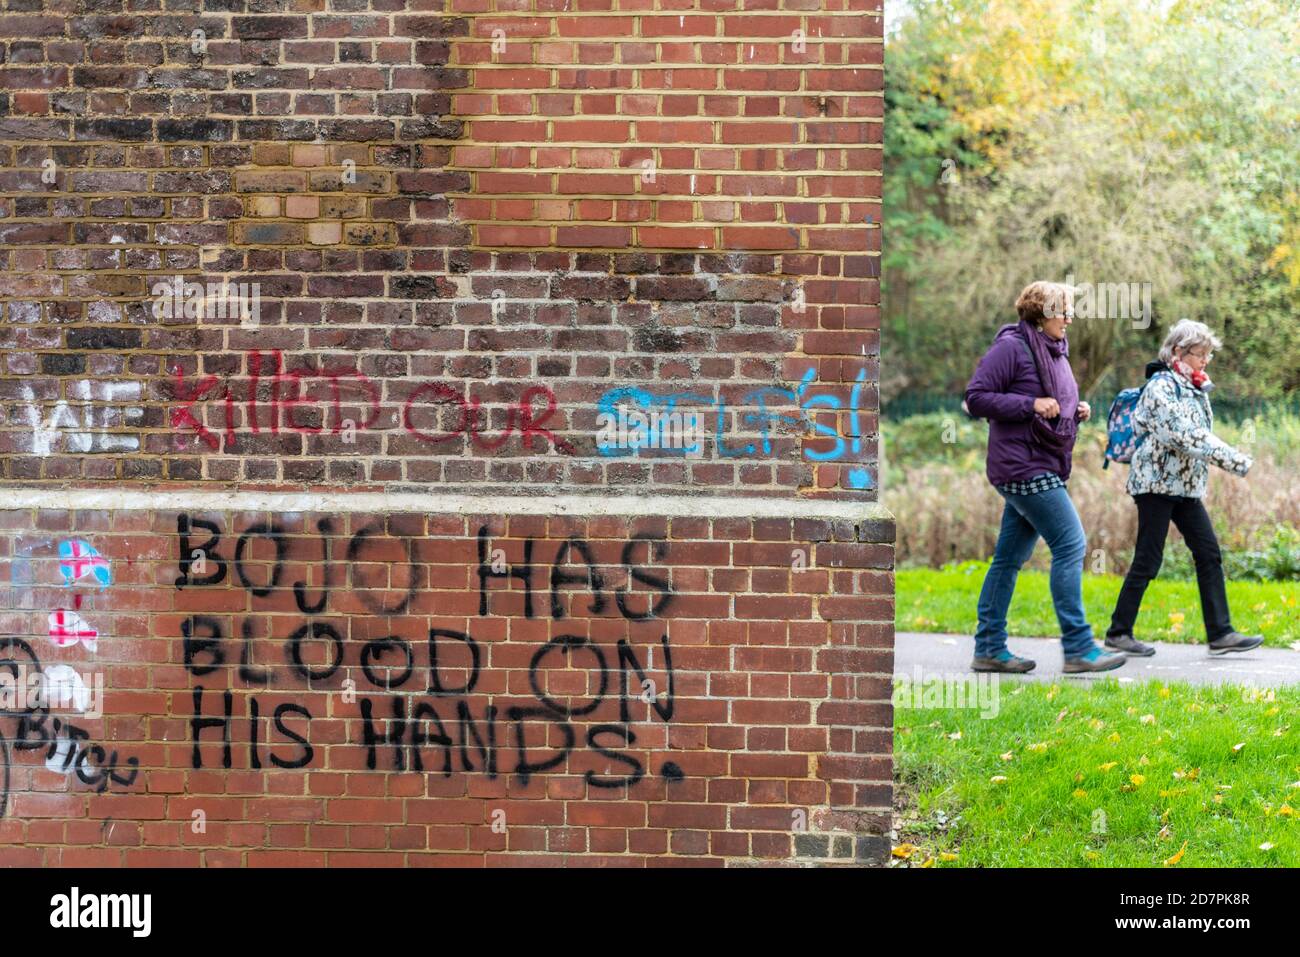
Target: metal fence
point(1226, 406)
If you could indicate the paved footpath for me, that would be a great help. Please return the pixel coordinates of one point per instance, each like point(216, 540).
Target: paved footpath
point(951, 654)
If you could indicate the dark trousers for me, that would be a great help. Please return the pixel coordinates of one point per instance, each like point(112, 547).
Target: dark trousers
point(1155, 512)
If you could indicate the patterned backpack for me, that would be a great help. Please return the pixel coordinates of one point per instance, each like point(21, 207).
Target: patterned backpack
point(1121, 442)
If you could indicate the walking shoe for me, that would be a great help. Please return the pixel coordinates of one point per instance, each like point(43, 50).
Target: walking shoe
point(1129, 645)
point(1095, 660)
point(1235, 641)
point(1004, 661)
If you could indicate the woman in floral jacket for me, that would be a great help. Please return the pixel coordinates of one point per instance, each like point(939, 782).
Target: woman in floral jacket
point(1174, 423)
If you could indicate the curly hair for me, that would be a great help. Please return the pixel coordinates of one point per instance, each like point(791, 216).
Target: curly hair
point(1040, 300)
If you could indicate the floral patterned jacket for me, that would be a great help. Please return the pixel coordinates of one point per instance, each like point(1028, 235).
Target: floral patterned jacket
point(1175, 456)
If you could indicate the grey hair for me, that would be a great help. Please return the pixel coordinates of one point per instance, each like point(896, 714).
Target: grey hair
point(1187, 334)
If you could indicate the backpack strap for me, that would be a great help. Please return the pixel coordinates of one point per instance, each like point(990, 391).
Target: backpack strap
point(1025, 344)
point(1033, 362)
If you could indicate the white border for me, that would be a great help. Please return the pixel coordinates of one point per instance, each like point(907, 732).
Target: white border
point(433, 502)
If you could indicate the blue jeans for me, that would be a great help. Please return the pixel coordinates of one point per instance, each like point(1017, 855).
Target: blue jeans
point(1051, 515)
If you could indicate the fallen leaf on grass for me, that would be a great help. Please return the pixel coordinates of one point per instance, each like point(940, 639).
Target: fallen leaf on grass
point(1177, 857)
point(904, 851)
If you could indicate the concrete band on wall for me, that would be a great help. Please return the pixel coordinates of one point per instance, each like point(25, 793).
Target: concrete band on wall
point(591, 504)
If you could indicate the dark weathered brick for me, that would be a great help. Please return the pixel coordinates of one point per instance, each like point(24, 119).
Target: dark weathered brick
point(195, 129)
point(811, 845)
point(62, 364)
point(103, 338)
point(269, 27)
point(116, 130)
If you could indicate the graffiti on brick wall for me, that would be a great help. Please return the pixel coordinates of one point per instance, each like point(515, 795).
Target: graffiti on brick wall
point(521, 416)
point(85, 421)
point(344, 401)
point(418, 689)
point(766, 411)
point(38, 697)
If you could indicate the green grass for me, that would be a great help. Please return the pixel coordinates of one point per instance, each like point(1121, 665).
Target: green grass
point(944, 600)
point(1102, 775)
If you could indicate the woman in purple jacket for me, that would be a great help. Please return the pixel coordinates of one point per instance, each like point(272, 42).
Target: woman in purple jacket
point(1025, 388)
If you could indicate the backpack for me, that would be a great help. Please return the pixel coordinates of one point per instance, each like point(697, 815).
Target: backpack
point(1121, 440)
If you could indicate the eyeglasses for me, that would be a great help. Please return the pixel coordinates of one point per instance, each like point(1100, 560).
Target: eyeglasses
point(1207, 356)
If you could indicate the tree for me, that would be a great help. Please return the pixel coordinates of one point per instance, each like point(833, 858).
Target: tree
point(1119, 141)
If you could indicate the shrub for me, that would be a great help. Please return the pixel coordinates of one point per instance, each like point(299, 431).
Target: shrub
point(946, 510)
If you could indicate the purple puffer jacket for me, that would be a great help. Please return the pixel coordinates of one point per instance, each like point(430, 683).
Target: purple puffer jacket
point(1003, 391)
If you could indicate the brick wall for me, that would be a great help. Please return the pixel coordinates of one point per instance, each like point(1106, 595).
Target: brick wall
point(355, 285)
point(460, 222)
point(370, 687)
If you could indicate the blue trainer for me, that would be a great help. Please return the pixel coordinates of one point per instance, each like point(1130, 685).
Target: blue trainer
point(1095, 660)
